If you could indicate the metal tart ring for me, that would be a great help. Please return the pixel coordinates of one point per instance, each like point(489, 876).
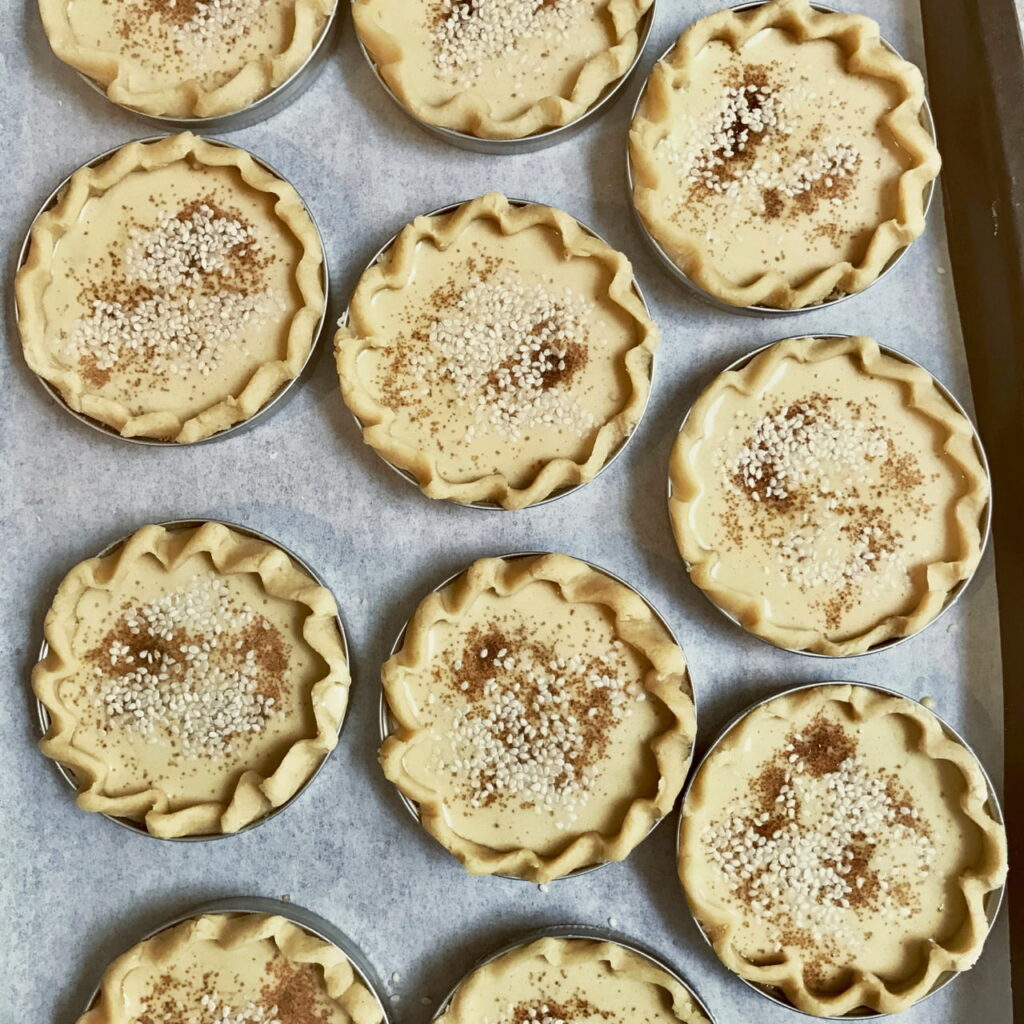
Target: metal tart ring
point(66, 773)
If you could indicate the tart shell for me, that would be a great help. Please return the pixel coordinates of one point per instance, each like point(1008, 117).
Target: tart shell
point(865, 989)
point(231, 932)
point(667, 681)
point(867, 55)
point(470, 114)
point(35, 275)
point(257, 78)
point(396, 266)
point(254, 796)
point(923, 397)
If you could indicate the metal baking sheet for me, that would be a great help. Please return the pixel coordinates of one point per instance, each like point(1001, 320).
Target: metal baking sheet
point(75, 887)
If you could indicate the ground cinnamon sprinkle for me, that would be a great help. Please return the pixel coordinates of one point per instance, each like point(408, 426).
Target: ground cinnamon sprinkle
point(799, 853)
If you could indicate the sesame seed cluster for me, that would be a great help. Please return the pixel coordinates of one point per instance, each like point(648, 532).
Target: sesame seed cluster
point(195, 669)
point(532, 726)
point(468, 33)
point(745, 151)
point(185, 294)
point(509, 350)
point(798, 850)
point(812, 473)
point(213, 24)
point(216, 1012)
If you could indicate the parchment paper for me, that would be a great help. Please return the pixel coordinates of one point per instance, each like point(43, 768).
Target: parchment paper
point(75, 889)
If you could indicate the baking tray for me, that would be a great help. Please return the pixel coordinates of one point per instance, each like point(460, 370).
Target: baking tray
point(306, 478)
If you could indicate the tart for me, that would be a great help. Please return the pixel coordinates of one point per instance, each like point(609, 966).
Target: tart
point(172, 290)
point(186, 58)
point(543, 717)
point(195, 679)
point(497, 353)
point(828, 496)
point(837, 845)
point(499, 69)
point(779, 155)
point(556, 980)
point(233, 969)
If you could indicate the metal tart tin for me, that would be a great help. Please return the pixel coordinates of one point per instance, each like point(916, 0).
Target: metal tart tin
point(275, 402)
point(764, 311)
point(300, 916)
point(138, 827)
point(388, 724)
point(259, 110)
point(986, 523)
point(493, 506)
point(539, 140)
point(993, 900)
point(571, 931)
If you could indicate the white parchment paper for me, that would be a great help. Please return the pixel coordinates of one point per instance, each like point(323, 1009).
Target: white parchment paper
point(75, 890)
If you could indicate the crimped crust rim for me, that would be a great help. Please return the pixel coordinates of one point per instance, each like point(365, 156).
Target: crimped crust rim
point(667, 680)
point(34, 275)
point(256, 79)
point(860, 40)
point(255, 796)
point(469, 114)
point(394, 268)
point(560, 951)
point(935, 741)
point(686, 489)
point(232, 930)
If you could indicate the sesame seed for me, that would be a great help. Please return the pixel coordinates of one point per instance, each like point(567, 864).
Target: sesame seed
point(221, 1013)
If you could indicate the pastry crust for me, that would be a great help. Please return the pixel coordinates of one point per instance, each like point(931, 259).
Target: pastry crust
point(257, 77)
point(395, 268)
point(35, 275)
point(470, 113)
point(666, 681)
point(923, 397)
point(235, 932)
point(559, 953)
point(866, 55)
point(929, 958)
point(254, 795)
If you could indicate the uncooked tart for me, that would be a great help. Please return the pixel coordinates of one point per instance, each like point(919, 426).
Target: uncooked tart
point(500, 69)
point(195, 679)
point(558, 980)
point(838, 847)
point(186, 58)
point(172, 290)
point(544, 718)
point(828, 496)
point(779, 156)
point(224, 968)
point(497, 353)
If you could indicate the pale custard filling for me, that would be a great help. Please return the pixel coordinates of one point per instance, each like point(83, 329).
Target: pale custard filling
point(186, 679)
point(171, 42)
point(831, 838)
point(581, 989)
point(825, 496)
point(778, 157)
point(533, 722)
point(507, 53)
point(171, 289)
point(498, 354)
point(206, 983)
